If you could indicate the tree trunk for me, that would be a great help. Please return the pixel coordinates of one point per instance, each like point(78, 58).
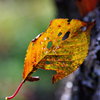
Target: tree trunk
point(86, 84)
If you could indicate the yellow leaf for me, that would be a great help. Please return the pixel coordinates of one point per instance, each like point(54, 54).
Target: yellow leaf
point(62, 48)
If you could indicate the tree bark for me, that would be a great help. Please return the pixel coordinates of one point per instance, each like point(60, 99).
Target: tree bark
point(86, 84)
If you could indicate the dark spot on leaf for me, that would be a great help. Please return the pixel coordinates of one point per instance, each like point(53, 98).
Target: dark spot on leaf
point(48, 38)
point(66, 35)
point(49, 45)
point(47, 62)
point(59, 34)
point(84, 28)
point(69, 21)
point(59, 25)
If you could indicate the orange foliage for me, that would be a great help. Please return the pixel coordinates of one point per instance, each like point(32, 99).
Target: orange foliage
point(62, 48)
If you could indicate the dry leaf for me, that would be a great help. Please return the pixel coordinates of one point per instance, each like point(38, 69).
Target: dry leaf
point(62, 48)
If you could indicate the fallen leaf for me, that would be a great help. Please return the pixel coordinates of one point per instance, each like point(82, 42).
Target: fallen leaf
point(62, 48)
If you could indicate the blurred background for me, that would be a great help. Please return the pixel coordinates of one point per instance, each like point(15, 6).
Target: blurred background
point(20, 22)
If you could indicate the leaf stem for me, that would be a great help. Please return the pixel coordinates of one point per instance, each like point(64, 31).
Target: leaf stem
point(17, 90)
